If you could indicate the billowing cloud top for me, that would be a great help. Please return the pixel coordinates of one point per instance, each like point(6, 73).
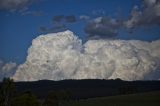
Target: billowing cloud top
point(61, 55)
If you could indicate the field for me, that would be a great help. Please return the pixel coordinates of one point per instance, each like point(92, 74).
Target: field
point(141, 99)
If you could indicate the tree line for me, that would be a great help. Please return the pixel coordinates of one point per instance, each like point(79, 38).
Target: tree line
point(10, 97)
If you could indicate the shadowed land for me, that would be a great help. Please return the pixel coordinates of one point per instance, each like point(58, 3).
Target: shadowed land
point(141, 99)
point(88, 92)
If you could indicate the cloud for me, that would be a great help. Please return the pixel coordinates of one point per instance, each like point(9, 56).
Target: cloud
point(99, 12)
point(57, 27)
point(33, 13)
point(14, 4)
point(43, 29)
point(59, 24)
point(148, 16)
point(64, 19)
point(70, 19)
point(84, 17)
point(103, 27)
point(58, 56)
point(58, 18)
point(7, 69)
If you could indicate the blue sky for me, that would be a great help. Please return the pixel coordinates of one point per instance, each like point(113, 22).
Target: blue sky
point(19, 25)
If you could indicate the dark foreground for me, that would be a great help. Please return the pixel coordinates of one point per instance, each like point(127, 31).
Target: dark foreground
point(80, 93)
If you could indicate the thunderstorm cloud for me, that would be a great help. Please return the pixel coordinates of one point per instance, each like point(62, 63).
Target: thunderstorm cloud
point(62, 55)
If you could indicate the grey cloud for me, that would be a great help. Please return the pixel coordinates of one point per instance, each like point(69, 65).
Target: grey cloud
point(14, 4)
point(84, 17)
point(58, 18)
point(99, 12)
point(33, 13)
point(103, 27)
point(55, 28)
point(64, 19)
point(59, 23)
point(149, 15)
point(70, 19)
point(149, 3)
point(43, 29)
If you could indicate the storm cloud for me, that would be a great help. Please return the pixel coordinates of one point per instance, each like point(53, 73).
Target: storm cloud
point(62, 55)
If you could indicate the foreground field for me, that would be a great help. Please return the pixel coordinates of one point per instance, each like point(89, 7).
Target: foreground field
point(142, 99)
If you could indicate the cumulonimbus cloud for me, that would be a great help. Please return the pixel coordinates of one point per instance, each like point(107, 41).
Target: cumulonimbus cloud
point(62, 55)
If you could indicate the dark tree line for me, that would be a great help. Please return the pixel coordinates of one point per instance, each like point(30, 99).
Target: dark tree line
point(9, 96)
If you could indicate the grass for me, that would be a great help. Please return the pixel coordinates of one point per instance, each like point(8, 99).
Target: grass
point(142, 99)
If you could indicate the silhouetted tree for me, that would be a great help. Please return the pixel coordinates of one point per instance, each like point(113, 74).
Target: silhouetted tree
point(63, 95)
point(6, 92)
point(26, 99)
point(127, 89)
point(54, 98)
point(51, 99)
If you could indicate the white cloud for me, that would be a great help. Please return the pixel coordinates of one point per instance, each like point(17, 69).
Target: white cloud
point(61, 55)
point(7, 69)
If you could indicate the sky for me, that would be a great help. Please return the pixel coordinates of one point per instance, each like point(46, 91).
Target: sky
point(23, 20)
